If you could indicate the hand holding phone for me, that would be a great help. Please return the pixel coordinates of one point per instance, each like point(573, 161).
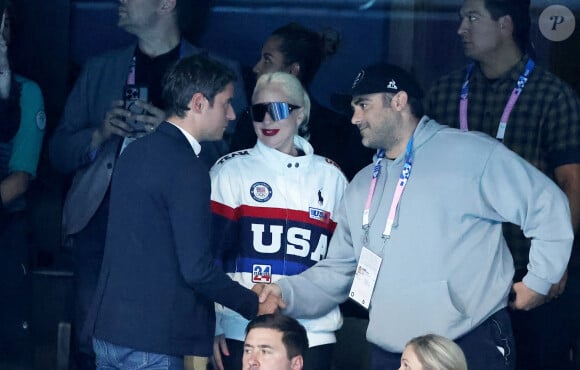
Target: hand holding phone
point(131, 94)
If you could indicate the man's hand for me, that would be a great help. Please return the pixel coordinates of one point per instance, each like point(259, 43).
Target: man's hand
point(557, 289)
point(219, 346)
point(257, 288)
point(13, 186)
point(113, 124)
point(269, 290)
point(151, 116)
point(270, 301)
point(525, 298)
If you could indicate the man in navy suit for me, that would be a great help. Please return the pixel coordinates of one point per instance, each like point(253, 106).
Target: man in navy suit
point(154, 302)
point(93, 128)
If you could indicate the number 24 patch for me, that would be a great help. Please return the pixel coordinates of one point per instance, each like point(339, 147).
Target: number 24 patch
point(261, 274)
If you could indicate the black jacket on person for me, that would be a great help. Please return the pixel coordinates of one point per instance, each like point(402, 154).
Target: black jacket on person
point(158, 281)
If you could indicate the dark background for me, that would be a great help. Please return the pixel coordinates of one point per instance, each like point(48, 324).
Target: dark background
point(53, 38)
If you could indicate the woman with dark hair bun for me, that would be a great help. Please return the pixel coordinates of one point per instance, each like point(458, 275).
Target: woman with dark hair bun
point(300, 51)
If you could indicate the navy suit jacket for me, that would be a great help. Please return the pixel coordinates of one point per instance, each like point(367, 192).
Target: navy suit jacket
point(158, 282)
point(99, 84)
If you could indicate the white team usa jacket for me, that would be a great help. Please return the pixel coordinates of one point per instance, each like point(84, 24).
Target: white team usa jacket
point(273, 216)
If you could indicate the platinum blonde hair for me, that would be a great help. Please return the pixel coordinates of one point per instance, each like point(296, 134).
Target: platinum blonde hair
point(294, 91)
point(438, 353)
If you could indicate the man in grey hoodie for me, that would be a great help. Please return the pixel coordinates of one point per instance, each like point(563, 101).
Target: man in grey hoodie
point(420, 232)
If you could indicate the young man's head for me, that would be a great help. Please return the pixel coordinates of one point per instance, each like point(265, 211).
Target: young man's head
point(274, 342)
point(386, 104)
point(488, 25)
point(198, 91)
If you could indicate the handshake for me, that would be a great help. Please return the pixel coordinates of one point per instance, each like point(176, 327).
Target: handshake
point(270, 297)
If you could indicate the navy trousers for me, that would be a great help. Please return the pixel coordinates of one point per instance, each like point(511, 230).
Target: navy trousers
point(489, 346)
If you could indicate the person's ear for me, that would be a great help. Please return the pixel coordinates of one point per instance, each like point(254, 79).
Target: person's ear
point(506, 24)
point(399, 101)
point(294, 69)
point(197, 103)
point(297, 362)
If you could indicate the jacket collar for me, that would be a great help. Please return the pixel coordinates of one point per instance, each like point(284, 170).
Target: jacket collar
point(277, 159)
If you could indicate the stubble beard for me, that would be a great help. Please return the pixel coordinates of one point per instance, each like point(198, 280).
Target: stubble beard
point(388, 137)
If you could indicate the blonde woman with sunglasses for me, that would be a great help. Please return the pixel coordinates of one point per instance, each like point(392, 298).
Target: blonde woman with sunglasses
point(273, 207)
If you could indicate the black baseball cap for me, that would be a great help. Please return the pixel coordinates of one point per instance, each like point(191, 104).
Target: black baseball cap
point(378, 78)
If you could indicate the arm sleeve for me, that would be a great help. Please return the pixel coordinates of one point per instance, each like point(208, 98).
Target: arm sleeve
point(28, 139)
point(323, 286)
point(514, 191)
point(224, 227)
point(192, 232)
point(70, 143)
point(10, 112)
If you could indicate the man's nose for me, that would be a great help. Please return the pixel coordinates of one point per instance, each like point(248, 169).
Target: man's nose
point(355, 119)
point(256, 68)
point(253, 362)
point(462, 27)
point(231, 114)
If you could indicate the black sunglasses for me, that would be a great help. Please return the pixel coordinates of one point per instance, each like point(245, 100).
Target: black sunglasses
point(277, 110)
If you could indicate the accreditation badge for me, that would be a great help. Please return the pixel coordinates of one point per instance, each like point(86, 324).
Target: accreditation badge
point(365, 277)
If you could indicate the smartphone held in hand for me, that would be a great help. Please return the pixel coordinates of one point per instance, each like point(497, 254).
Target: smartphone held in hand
point(131, 94)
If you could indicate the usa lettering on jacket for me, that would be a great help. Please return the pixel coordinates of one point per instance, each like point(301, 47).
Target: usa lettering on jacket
point(299, 241)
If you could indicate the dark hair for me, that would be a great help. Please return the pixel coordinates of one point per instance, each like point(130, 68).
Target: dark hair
point(519, 11)
point(416, 106)
point(306, 47)
point(293, 333)
point(188, 76)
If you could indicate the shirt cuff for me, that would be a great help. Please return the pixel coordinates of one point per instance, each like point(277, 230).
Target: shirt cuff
point(536, 284)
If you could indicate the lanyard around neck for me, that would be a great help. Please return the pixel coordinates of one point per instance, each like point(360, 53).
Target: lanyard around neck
point(132, 71)
point(530, 65)
point(401, 183)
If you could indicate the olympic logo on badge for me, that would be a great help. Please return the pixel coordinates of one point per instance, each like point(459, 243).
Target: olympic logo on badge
point(261, 192)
